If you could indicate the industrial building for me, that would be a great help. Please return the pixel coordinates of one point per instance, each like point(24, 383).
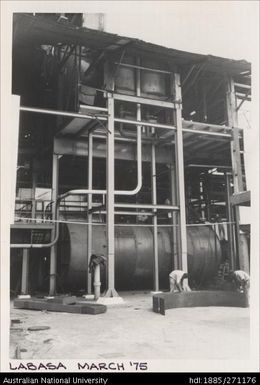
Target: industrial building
point(126, 149)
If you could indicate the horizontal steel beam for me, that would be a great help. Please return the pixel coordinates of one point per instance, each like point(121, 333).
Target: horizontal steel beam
point(211, 133)
point(63, 113)
point(141, 100)
point(189, 124)
point(208, 166)
point(145, 206)
point(95, 108)
point(143, 123)
point(135, 213)
point(240, 85)
point(31, 226)
point(143, 68)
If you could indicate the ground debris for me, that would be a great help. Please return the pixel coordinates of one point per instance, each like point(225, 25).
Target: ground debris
point(17, 353)
point(38, 328)
point(16, 329)
point(47, 341)
point(15, 321)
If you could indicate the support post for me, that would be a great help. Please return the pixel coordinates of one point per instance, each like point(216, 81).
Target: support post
point(155, 230)
point(230, 225)
point(90, 228)
point(111, 292)
point(175, 238)
point(25, 273)
point(53, 255)
point(235, 159)
point(180, 172)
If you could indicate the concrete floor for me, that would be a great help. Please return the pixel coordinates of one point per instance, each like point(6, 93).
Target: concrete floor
point(134, 331)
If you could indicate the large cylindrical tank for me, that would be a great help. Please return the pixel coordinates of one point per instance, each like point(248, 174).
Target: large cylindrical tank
point(134, 255)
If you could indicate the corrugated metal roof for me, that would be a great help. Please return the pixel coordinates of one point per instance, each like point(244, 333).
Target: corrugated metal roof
point(31, 29)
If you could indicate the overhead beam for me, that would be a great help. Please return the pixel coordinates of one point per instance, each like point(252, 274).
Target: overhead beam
point(141, 100)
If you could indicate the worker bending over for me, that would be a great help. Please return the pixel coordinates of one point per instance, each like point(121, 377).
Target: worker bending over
point(241, 280)
point(178, 281)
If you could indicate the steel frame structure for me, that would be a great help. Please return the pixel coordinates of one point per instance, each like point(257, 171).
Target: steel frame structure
point(177, 207)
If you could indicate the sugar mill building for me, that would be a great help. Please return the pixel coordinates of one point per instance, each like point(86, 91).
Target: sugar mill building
point(126, 149)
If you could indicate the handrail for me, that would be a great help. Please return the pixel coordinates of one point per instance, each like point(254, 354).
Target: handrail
point(41, 245)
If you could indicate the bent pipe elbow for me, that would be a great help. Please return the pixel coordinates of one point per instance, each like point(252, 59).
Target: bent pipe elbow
point(139, 167)
point(37, 245)
point(41, 245)
point(118, 192)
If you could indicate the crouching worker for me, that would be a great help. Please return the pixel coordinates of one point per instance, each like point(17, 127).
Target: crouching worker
point(178, 281)
point(241, 280)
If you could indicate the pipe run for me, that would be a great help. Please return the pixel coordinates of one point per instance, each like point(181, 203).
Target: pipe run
point(63, 113)
point(117, 192)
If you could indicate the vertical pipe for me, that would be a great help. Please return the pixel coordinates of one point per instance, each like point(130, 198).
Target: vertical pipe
point(174, 218)
point(180, 172)
point(97, 282)
point(110, 174)
point(229, 219)
point(202, 204)
point(155, 232)
point(53, 256)
point(90, 181)
point(25, 272)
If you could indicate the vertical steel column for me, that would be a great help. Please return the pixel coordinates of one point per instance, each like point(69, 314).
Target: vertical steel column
point(53, 256)
point(90, 181)
point(25, 272)
point(175, 238)
point(235, 159)
point(229, 219)
point(111, 292)
point(155, 232)
point(235, 146)
point(180, 172)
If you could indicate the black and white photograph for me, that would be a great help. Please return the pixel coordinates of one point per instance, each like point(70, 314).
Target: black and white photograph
point(129, 186)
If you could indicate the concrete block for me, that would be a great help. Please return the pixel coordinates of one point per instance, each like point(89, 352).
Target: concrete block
point(42, 304)
point(93, 309)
